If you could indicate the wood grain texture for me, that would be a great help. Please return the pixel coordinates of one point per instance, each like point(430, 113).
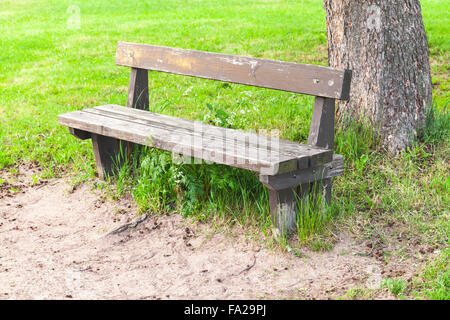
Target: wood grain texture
point(280, 75)
point(308, 156)
point(191, 138)
point(283, 210)
point(295, 178)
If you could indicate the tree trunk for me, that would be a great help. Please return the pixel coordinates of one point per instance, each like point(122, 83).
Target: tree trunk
point(385, 44)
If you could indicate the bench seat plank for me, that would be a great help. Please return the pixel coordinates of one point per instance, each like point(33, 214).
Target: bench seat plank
point(266, 155)
point(311, 156)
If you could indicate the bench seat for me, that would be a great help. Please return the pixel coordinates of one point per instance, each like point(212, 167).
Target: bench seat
point(247, 150)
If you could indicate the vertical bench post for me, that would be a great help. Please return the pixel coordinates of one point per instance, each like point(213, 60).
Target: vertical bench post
point(138, 89)
point(138, 98)
point(321, 134)
point(106, 150)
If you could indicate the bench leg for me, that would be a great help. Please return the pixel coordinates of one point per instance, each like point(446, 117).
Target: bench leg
point(321, 188)
point(283, 209)
point(327, 185)
point(106, 150)
point(299, 190)
point(284, 205)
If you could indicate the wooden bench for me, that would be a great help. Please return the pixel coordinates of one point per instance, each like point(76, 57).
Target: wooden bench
point(287, 168)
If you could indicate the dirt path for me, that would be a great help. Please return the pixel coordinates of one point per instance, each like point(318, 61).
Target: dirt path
point(56, 244)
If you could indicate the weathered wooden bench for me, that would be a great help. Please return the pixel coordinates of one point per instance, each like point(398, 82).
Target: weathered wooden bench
point(288, 169)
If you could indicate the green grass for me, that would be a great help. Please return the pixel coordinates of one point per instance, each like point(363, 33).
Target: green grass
point(48, 68)
point(395, 286)
point(434, 281)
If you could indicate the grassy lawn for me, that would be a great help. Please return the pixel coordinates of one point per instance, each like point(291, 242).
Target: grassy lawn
point(49, 65)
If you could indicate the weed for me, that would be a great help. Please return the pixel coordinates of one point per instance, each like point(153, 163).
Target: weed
point(395, 286)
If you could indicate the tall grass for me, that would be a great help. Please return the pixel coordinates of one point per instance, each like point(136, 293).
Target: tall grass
point(207, 192)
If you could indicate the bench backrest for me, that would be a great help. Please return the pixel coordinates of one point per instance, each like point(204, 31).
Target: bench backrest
point(327, 84)
point(287, 76)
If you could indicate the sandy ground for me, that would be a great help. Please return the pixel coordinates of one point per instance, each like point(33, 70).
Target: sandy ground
point(56, 243)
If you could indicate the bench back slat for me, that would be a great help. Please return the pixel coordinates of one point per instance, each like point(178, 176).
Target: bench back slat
point(287, 76)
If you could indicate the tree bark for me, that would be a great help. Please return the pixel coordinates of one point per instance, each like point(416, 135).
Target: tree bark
point(385, 44)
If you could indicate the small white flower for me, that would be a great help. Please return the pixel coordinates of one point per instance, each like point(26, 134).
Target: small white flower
point(187, 91)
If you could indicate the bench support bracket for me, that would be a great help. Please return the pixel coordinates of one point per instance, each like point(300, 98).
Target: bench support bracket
point(321, 133)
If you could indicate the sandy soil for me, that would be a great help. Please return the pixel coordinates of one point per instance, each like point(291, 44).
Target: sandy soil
point(56, 243)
